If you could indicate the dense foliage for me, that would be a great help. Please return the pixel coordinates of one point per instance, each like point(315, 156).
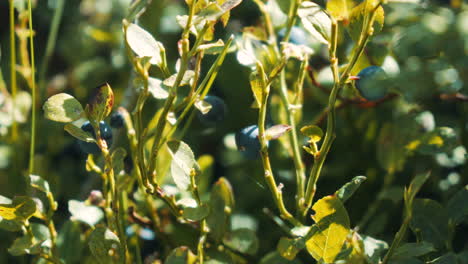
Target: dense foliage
point(234, 131)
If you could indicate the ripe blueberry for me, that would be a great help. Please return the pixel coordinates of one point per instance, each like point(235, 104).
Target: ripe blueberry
point(92, 148)
point(370, 83)
point(217, 112)
point(116, 120)
point(248, 143)
point(297, 36)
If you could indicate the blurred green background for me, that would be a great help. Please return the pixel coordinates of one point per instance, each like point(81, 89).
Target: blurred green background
point(423, 45)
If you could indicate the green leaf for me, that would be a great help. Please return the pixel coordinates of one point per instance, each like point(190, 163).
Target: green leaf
point(243, 240)
point(391, 152)
point(194, 212)
point(104, 245)
point(358, 16)
point(206, 163)
point(19, 210)
point(222, 204)
point(414, 188)
point(62, 108)
point(212, 48)
point(340, 9)
point(258, 84)
point(183, 163)
point(413, 250)
point(288, 248)
point(70, 242)
point(430, 222)
point(28, 244)
point(332, 222)
point(406, 261)
point(88, 214)
point(275, 258)
point(315, 21)
point(22, 246)
point(449, 258)
point(143, 44)
point(9, 225)
point(118, 156)
point(345, 192)
point(79, 133)
point(313, 132)
point(39, 183)
point(181, 255)
point(276, 131)
point(100, 105)
point(457, 206)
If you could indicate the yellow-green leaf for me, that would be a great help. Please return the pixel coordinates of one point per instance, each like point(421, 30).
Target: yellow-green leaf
point(340, 9)
point(21, 208)
point(358, 15)
point(62, 108)
point(333, 223)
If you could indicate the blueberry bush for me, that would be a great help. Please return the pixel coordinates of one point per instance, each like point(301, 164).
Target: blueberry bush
point(234, 131)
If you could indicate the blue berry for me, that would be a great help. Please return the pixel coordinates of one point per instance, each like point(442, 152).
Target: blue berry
point(248, 143)
point(116, 120)
point(297, 36)
point(92, 148)
point(217, 112)
point(371, 83)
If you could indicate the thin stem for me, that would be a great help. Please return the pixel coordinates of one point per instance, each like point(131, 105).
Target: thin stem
point(270, 180)
point(51, 40)
point(330, 132)
point(296, 153)
point(33, 90)
point(203, 88)
point(13, 83)
point(292, 17)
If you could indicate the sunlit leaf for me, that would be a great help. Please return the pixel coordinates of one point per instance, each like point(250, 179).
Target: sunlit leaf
point(340, 9)
point(39, 183)
point(20, 209)
point(276, 131)
point(315, 21)
point(143, 44)
point(157, 89)
point(333, 224)
point(62, 108)
point(313, 132)
point(88, 214)
point(183, 163)
point(358, 16)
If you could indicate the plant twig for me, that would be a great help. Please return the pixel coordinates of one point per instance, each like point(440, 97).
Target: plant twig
point(33, 90)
